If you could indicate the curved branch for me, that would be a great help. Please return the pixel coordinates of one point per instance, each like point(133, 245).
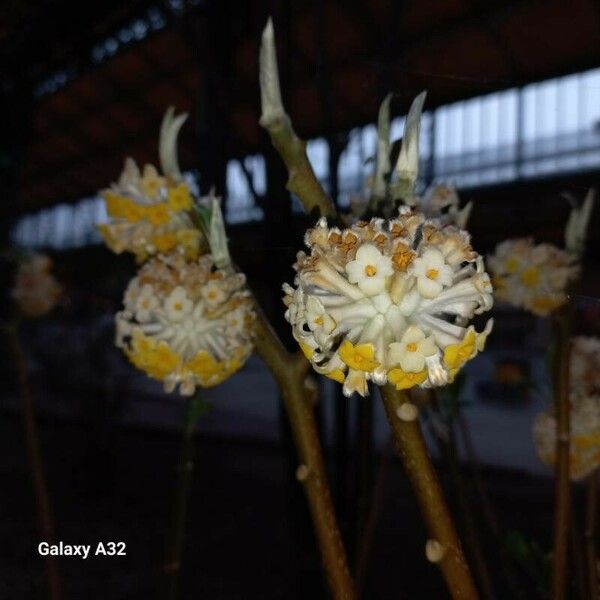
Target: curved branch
point(290, 372)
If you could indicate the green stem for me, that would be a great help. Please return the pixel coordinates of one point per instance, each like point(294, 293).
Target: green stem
point(34, 454)
point(419, 470)
point(562, 493)
point(185, 469)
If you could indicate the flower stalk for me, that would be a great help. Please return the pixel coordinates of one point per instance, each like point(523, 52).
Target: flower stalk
point(444, 546)
point(34, 454)
point(290, 372)
point(185, 470)
point(562, 500)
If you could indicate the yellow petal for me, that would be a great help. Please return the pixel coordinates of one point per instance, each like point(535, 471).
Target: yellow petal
point(306, 350)
point(359, 357)
point(337, 375)
point(403, 380)
point(456, 355)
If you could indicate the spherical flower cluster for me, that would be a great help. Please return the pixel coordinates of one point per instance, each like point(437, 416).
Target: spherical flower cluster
point(149, 214)
point(584, 455)
point(584, 369)
point(388, 301)
point(36, 291)
point(534, 277)
point(186, 322)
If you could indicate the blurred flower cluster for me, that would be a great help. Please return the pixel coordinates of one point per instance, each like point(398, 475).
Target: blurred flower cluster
point(534, 277)
point(388, 300)
point(584, 396)
point(537, 277)
point(36, 292)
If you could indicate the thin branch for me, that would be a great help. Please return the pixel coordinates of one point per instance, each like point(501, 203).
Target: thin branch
point(185, 470)
point(591, 520)
point(444, 546)
point(34, 454)
point(302, 180)
point(368, 537)
point(563, 442)
point(290, 371)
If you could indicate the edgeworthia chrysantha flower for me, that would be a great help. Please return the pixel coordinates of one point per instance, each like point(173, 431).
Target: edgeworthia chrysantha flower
point(36, 292)
point(388, 301)
point(442, 202)
point(188, 321)
point(584, 370)
point(537, 277)
point(584, 452)
point(584, 399)
point(149, 212)
point(534, 277)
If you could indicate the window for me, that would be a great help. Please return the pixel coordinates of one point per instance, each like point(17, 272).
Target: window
point(541, 129)
point(241, 204)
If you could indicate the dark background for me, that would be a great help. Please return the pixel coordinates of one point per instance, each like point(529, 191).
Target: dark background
point(85, 84)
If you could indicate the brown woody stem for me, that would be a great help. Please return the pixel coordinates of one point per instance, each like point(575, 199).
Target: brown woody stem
point(290, 371)
point(302, 180)
point(591, 518)
point(34, 455)
point(185, 471)
point(562, 493)
point(419, 469)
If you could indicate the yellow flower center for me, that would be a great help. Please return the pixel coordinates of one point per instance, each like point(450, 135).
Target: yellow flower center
point(370, 270)
point(178, 306)
point(319, 321)
point(412, 347)
point(432, 273)
point(511, 265)
point(530, 277)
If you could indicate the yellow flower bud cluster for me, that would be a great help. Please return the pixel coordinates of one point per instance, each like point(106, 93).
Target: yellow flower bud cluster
point(149, 214)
